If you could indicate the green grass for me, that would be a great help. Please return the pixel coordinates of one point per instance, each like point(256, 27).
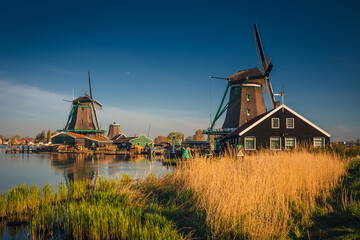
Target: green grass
point(343, 222)
point(155, 209)
point(110, 210)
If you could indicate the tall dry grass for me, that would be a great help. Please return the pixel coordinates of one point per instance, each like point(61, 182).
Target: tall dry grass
point(259, 196)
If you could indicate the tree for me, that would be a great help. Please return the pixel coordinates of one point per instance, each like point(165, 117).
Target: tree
point(178, 137)
point(41, 136)
point(199, 136)
point(49, 135)
point(161, 139)
point(17, 137)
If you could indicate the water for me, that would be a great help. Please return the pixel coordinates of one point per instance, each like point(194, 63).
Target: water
point(53, 168)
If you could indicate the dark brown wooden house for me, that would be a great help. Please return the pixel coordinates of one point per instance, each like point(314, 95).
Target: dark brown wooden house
point(71, 138)
point(280, 128)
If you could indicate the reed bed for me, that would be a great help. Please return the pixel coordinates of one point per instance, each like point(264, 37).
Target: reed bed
point(261, 196)
point(267, 195)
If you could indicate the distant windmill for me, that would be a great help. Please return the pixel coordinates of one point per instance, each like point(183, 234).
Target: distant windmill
point(246, 99)
point(83, 117)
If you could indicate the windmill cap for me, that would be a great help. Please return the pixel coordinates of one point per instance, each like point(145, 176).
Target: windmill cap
point(251, 75)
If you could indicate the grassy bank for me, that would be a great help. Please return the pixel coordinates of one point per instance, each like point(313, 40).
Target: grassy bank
point(343, 221)
point(268, 195)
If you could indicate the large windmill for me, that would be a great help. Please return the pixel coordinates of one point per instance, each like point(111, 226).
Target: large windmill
point(83, 118)
point(246, 99)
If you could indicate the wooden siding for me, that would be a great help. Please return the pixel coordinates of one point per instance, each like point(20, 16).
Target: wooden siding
point(302, 131)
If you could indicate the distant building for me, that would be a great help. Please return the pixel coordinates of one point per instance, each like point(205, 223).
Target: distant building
point(114, 130)
point(280, 128)
point(123, 143)
point(142, 141)
point(79, 140)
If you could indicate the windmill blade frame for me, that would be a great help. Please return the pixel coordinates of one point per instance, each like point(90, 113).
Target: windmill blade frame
point(97, 127)
point(90, 85)
point(259, 50)
point(270, 92)
point(95, 104)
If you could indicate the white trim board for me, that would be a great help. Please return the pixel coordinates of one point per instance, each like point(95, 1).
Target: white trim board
point(290, 110)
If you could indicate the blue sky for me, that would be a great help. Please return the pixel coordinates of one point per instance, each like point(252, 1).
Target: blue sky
point(150, 61)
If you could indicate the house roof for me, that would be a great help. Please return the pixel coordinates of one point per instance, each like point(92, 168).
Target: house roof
point(71, 134)
point(123, 140)
point(257, 120)
point(117, 137)
point(98, 137)
point(252, 75)
point(248, 124)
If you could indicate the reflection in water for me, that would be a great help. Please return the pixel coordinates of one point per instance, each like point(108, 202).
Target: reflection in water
point(39, 169)
point(16, 231)
point(53, 168)
point(77, 167)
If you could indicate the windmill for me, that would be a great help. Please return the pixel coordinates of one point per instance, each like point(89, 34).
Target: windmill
point(246, 99)
point(83, 117)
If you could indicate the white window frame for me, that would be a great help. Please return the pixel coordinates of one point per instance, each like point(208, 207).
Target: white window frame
point(270, 143)
point(272, 123)
point(286, 147)
point(248, 97)
point(323, 141)
point(254, 142)
point(248, 112)
point(293, 123)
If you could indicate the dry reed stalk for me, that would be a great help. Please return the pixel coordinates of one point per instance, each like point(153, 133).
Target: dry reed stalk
point(256, 197)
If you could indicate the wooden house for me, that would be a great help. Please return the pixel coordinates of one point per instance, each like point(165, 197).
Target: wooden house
point(81, 141)
point(280, 128)
point(123, 143)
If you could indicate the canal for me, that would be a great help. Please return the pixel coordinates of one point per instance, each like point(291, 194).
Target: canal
point(53, 168)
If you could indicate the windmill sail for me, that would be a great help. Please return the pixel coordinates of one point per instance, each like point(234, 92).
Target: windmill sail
point(260, 50)
point(265, 65)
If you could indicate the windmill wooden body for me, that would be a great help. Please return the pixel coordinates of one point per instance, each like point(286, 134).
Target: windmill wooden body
point(246, 96)
point(83, 117)
point(246, 99)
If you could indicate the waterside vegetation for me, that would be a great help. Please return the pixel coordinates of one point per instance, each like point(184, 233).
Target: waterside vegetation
point(269, 195)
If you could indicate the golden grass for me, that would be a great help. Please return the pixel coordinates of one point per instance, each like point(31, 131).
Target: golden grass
point(259, 196)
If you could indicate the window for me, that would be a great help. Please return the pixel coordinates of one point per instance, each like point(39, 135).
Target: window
point(290, 143)
point(82, 121)
point(250, 143)
point(82, 109)
point(289, 123)
point(275, 123)
point(248, 112)
point(275, 143)
point(247, 97)
point(319, 142)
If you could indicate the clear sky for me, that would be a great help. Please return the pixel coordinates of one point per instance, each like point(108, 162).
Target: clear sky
point(150, 61)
